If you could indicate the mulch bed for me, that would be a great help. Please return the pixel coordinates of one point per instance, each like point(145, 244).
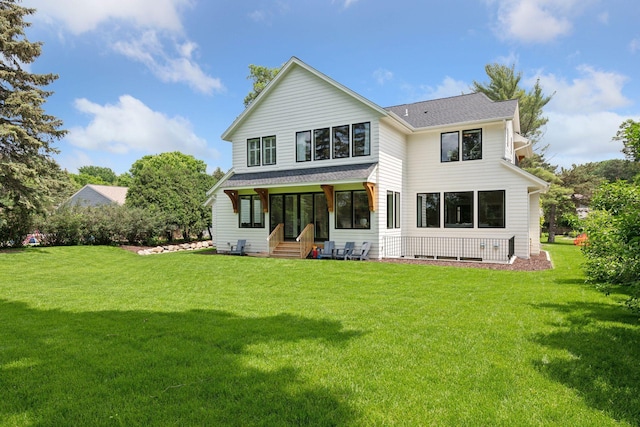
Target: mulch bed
point(535, 263)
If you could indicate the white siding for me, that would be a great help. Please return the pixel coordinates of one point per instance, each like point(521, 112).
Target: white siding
point(391, 177)
point(534, 223)
point(301, 102)
point(427, 174)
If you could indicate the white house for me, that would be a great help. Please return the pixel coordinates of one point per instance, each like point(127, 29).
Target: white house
point(314, 161)
point(97, 195)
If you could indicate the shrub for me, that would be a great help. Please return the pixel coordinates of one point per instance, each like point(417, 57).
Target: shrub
point(612, 254)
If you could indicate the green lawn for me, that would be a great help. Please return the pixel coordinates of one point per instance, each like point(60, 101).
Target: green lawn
point(93, 336)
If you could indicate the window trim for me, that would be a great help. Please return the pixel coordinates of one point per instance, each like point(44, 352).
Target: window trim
point(253, 198)
point(257, 150)
point(327, 150)
point(462, 153)
point(367, 136)
point(334, 145)
point(462, 146)
point(472, 213)
point(419, 210)
point(308, 146)
point(353, 211)
point(271, 138)
point(503, 213)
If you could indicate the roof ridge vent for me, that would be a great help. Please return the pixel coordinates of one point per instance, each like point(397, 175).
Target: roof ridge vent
point(406, 112)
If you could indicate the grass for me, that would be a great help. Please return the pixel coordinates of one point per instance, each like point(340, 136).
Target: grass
point(99, 336)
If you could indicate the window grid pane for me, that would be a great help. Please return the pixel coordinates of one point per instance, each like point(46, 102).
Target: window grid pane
point(458, 210)
point(253, 152)
point(341, 142)
point(321, 144)
point(390, 210)
point(472, 144)
point(449, 147)
point(491, 209)
point(361, 139)
point(429, 210)
point(303, 146)
point(269, 150)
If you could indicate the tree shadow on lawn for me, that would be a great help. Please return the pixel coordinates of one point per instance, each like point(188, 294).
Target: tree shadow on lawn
point(602, 342)
point(150, 368)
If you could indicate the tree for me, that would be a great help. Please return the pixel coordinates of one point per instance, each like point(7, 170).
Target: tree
point(174, 184)
point(612, 252)
point(105, 174)
point(629, 134)
point(31, 179)
point(261, 77)
point(555, 202)
point(504, 84)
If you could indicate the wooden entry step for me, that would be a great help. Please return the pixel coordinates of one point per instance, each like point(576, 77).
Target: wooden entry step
point(286, 250)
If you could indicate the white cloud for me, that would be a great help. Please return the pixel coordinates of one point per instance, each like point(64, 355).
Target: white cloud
point(130, 125)
point(592, 91)
point(449, 87)
point(582, 138)
point(149, 21)
point(582, 116)
point(150, 51)
point(634, 45)
point(535, 21)
point(382, 76)
point(80, 16)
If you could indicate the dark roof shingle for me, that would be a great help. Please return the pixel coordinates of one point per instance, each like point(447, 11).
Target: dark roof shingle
point(301, 176)
point(458, 109)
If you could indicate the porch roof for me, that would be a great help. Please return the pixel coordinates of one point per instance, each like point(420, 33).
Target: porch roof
point(321, 175)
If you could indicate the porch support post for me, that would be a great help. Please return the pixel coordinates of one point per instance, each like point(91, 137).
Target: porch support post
point(264, 197)
point(371, 193)
point(328, 194)
point(233, 195)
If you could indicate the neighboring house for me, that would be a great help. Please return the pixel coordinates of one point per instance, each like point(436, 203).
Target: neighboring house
point(434, 179)
point(97, 195)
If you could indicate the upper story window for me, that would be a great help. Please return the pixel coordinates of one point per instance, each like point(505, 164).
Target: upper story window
point(341, 142)
point(472, 144)
point(265, 146)
point(253, 152)
point(303, 146)
point(451, 144)
point(269, 150)
point(362, 139)
point(321, 144)
point(336, 142)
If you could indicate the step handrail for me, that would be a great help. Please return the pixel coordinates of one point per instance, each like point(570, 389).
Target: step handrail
point(306, 239)
point(275, 238)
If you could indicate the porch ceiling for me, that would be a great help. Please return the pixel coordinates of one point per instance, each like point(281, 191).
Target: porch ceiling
point(323, 175)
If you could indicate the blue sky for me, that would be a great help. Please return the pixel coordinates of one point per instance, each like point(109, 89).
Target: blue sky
point(142, 77)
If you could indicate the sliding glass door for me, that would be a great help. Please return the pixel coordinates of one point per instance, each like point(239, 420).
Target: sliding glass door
point(295, 211)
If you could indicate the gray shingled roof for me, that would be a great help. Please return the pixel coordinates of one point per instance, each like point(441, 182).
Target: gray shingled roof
point(301, 176)
point(458, 109)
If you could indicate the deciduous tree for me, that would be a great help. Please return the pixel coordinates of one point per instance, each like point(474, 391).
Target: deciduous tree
point(174, 184)
point(629, 134)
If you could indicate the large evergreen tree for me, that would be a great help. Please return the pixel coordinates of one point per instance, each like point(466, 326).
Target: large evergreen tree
point(504, 84)
point(30, 178)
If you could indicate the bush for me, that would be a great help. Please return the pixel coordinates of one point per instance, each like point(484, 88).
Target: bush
point(102, 225)
point(613, 250)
